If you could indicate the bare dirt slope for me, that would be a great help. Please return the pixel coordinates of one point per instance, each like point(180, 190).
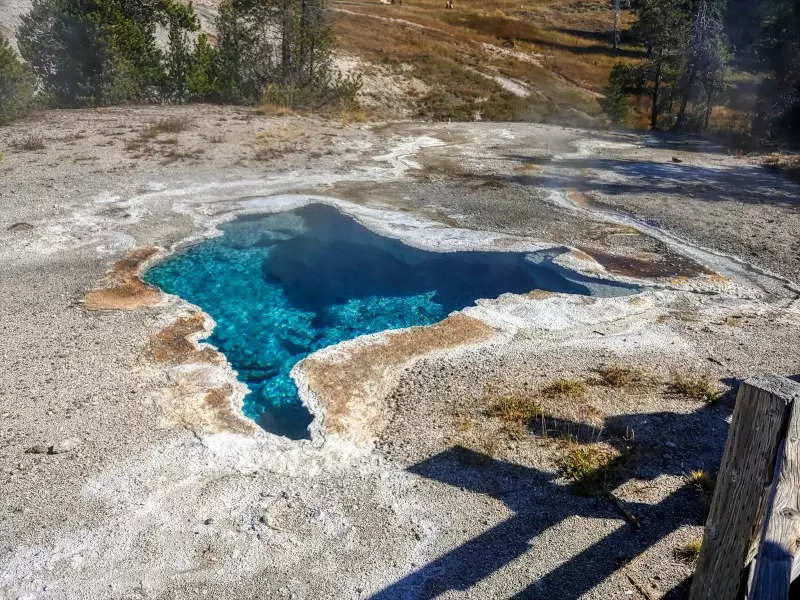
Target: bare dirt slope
point(156, 486)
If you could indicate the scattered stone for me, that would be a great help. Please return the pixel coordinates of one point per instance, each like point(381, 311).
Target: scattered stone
point(208, 521)
point(67, 445)
point(675, 159)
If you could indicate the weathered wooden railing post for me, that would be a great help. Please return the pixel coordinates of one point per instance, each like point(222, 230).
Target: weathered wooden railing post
point(765, 429)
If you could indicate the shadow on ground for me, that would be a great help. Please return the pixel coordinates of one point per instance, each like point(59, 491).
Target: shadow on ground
point(538, 503)
point(749, 185)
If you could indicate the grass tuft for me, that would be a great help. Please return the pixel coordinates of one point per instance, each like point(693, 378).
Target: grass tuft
point(698, 387)
point(617, 377)
point(167, 125)
point(464, 423)
point(702, 481)
point(271, 109)
point(30, 143)
point(569, 388)
point(592, 468)
point(516, 408)
point(689, 551)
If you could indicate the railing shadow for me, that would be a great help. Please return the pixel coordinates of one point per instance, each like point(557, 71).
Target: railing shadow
point(537, 504)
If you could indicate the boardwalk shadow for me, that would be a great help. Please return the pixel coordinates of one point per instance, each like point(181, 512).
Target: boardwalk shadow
point(537, 504)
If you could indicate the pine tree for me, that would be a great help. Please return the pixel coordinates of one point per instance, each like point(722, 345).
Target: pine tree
point(663, 28)
point(705, 56)
point(16, 85)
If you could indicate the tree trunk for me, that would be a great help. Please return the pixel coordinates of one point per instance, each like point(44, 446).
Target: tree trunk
point(680, 122)
point(286, 39)
point(656, 87)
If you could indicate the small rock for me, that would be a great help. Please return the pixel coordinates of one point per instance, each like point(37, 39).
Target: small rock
point(38, 449)
point(208, 521)
point(67, 445)
point(675, 159)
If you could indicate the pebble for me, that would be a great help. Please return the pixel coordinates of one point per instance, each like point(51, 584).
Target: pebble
point(67, 445)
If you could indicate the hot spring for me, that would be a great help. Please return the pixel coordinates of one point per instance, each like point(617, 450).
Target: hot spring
point(281, 286)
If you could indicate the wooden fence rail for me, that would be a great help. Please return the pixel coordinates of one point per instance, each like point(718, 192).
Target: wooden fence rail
point(753, 524)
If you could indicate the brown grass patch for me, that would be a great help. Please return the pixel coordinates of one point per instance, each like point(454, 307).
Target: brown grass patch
point(698, 387)
point(127, 290)
point(516, 408)
point(167, 125)
point(29, 143)
point(271, 109)
point(565, 388)
point(618, 377)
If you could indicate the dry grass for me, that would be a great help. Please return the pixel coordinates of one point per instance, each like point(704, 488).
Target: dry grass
point(697, 387)
point(169, 125)
point(689, 551)
point(593, 469)
point(702, 482)
point(271, 109)
point(618, 377)
point(565, 388)
point(516, 408)
point(788, 164)
point(446, 54)
point(350, 114)
point(29, 143)
point(464, 423)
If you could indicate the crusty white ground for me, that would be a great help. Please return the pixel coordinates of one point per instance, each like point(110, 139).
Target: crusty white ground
point(146, 508)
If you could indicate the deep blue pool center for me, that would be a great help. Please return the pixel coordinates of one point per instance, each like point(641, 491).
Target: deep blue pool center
point(283, 285)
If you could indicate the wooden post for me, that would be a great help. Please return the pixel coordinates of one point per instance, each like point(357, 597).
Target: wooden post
point(776, 552)
point(760, 420)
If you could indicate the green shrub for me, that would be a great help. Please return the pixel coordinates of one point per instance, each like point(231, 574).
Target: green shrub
point(16, 85)
point(201, 78)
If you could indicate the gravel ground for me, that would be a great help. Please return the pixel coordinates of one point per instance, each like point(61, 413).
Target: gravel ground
point(156, 496)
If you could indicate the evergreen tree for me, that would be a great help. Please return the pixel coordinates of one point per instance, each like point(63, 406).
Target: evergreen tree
point(201, 79)
point(705, 57)
point(95, 52)
point(663, 29)
point(779, 51)
point(16, 85)
point(615, 101)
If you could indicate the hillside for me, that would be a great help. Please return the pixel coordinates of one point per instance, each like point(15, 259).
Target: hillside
point(539, 61)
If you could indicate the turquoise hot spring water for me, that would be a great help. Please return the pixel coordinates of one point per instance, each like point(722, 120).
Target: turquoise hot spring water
point(283, 285)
